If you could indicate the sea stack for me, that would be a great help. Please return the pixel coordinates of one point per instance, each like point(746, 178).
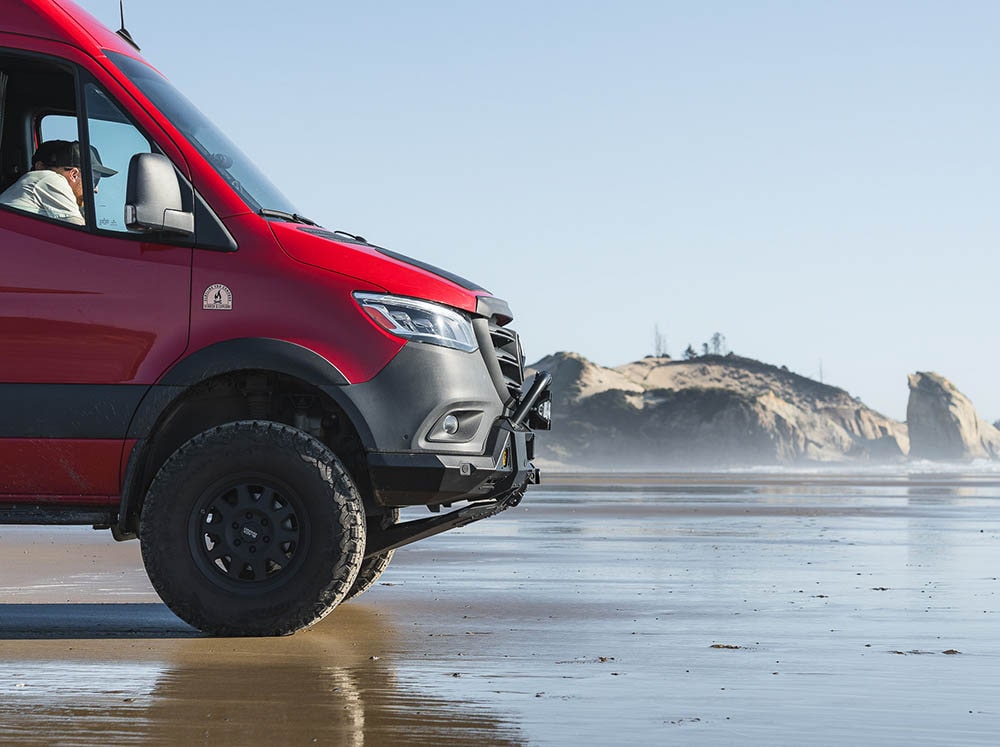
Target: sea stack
point(943, 424)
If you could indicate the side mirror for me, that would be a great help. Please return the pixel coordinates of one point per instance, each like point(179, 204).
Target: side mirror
point(153, 196)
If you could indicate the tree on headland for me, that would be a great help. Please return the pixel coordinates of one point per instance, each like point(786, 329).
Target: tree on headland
point(715, 346)
point(659, 343)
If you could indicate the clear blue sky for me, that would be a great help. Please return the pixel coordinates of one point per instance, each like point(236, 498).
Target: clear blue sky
point(816, 180)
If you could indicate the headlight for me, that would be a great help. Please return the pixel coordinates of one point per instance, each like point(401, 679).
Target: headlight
point(421, 321)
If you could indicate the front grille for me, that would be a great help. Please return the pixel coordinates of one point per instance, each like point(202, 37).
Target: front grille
point(507, 349)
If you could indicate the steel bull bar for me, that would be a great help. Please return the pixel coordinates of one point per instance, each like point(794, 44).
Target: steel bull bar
point(533, 412)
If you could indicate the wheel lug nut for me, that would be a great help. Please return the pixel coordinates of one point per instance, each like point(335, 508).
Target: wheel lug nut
point(249, 515)
point(266, 539)
point(235, 525)
point(253, 549)
point(263, 522)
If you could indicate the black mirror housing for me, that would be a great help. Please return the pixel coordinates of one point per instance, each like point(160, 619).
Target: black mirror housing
point(153, 196)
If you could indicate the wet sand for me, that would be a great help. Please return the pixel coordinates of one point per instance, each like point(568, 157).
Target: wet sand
point(606, 609)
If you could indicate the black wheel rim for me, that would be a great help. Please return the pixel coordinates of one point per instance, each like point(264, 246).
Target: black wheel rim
point(248, 533)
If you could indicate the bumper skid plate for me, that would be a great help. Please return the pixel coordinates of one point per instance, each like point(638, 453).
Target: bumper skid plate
point(412, 531)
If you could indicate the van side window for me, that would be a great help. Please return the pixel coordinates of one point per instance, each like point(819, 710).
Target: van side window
point(113, 142)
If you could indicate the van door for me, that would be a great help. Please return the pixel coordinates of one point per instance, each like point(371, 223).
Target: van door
point(90, 315)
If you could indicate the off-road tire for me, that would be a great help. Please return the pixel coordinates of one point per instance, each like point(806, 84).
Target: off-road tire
point(373, 567)
point(252, 528)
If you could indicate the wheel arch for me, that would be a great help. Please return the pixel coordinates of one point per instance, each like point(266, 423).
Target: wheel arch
point(218, 384)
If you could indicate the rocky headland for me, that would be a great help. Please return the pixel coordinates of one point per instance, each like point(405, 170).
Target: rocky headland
point(721, 411)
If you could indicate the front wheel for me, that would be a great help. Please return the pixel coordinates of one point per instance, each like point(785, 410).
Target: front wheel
point(252, 528)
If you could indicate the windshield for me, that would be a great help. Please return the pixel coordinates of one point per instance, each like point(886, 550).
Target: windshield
point(239, 171)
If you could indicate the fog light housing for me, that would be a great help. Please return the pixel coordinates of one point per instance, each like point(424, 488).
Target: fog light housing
point(456, 427)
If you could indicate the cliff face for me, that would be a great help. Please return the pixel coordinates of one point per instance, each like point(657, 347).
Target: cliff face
point(707, 412)
point(944, 425)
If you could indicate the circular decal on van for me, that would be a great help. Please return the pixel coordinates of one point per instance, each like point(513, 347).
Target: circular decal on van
point(217, 298)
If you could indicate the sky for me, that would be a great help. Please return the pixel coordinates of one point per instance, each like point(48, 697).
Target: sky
point(816, 181)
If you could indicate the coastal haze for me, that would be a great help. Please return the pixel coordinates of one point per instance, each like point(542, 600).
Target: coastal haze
point(716, 411)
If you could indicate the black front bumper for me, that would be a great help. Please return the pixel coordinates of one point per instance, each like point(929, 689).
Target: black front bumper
point(504, 467)
point(422, 479)
point(491, 482)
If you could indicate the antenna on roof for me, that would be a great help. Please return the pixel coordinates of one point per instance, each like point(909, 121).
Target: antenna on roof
point(123, 32)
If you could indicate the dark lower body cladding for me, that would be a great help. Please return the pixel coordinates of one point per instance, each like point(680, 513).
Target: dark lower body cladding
point(412, 461)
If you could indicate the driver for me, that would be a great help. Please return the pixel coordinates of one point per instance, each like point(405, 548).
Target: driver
point(54, 186)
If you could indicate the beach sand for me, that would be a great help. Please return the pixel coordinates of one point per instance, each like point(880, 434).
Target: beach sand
point(606, 609)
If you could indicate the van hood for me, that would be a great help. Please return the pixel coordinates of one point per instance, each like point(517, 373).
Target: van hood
point(374, 265)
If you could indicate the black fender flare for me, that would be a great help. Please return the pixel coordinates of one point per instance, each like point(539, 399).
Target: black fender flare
point(229, 356)
point(253, 352)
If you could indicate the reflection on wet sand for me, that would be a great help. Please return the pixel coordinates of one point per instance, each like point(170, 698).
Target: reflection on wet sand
point(132, 674)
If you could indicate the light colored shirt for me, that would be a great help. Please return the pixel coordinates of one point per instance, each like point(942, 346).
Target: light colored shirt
point(44, 193)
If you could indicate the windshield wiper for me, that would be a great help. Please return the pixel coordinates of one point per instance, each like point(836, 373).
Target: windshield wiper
point(359, 239)
point(293, 217)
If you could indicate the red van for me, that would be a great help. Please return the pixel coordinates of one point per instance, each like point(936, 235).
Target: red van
point(191, 362)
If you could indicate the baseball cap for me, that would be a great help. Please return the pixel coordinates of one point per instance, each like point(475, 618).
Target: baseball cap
point(66, 153)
